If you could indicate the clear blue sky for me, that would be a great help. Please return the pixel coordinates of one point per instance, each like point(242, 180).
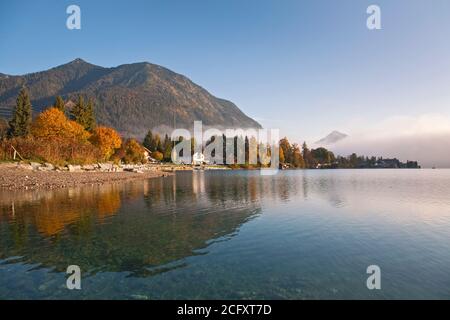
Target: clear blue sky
point(307, 66)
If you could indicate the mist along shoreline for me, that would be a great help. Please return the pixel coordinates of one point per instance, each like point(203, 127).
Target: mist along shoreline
point(15, 177)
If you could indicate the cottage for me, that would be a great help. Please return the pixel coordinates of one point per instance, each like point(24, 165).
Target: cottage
point(198, 159)
point(148, 155)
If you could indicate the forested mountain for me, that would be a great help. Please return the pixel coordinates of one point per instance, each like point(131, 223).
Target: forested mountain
point(131, 98)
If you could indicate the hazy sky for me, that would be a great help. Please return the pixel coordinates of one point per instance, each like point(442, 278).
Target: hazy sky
point(308, 67)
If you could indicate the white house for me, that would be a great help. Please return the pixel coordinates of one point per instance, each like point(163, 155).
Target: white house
point(198, 159)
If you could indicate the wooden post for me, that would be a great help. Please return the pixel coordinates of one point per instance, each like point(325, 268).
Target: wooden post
point(16, 153)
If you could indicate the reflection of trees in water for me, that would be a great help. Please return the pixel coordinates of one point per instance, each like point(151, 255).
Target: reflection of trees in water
point(143, 227)
point(140, 227)
point(52, 211)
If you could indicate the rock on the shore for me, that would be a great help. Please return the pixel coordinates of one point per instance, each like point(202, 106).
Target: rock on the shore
point(49, 166)
point(88, 167)
point(99, 167)
point(35, 165)
point(105, 166)
point(73, 168)
point(24, 166)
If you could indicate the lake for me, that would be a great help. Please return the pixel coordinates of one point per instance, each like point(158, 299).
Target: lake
point(306, 234)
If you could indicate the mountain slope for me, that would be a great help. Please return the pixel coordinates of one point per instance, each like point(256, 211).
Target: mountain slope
point(131, 98)
point(332, 138)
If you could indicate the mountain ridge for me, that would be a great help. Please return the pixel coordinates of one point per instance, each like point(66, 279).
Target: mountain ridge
point(132, 98)
point(332, 138)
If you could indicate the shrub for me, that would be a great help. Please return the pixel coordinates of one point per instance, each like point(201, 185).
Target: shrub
point(107, 140)
point(157, 156)
point(134, 152)
point(4, 128)
point(53, 151)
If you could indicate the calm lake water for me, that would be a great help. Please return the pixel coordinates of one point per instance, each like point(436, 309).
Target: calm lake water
point(307, 234)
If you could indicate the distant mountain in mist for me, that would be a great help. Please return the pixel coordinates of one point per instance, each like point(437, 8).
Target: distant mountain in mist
point(131, 98)
point(332, 138)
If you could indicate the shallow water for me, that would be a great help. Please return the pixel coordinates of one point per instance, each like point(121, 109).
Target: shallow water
point(307, 234)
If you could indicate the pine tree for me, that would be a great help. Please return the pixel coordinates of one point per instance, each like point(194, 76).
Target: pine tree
point(159, 146)
point(59, 104)
point(310, 162)
point(78, 110)
point(156, 143)
point(167, 148)
point(148, 140)
point(21, 121)
point(83, 113)
point(89, 117)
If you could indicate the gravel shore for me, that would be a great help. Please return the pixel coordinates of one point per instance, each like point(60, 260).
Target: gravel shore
point(13, 177)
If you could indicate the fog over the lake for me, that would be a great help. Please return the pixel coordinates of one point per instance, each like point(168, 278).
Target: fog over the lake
point(425, 138)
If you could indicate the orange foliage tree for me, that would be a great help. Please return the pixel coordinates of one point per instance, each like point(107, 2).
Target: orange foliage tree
point(134, 152)
point(157, 156)
point(53, 124)
point(107, 140)
point(58, 140)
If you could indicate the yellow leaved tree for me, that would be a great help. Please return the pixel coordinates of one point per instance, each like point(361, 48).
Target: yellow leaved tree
point(53, 124)
point(107, 140)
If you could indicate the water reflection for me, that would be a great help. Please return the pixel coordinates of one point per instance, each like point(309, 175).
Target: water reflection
point(134, 227)
point(232, 235)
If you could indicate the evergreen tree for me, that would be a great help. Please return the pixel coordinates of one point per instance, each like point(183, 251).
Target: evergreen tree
point(83, 113)
point(21, 121)
point(158, 144)
point(310, 162)
point(148, 140)
point(78, 110)
point(89, 117)
point(167, 148)
point(59, 104)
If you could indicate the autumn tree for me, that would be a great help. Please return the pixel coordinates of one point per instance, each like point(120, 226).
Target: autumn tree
point(297, 157)
point(134, 152)
point(22, 117)
point(286, 148)
point(157, 156)
point(53, 124)
point(107, 140)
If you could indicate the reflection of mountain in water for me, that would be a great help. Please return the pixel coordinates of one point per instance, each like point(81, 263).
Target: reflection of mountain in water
point(141, 227)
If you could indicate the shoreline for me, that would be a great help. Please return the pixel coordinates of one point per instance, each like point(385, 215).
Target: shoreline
point(13, 177)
